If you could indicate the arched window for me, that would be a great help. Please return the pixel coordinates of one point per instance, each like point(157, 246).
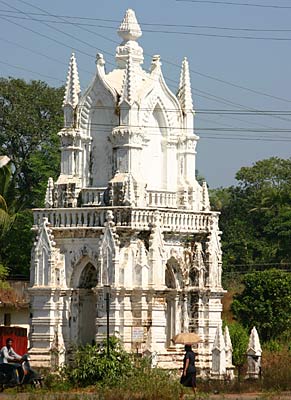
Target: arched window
point(88, 278)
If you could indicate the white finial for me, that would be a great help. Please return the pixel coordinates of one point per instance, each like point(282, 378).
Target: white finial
point(49, 193)
point(130, 31)
point(205, 197)
point(72, 85)
point(254, 343)
point(184, 93)
point(129, 28)
point(254, 353)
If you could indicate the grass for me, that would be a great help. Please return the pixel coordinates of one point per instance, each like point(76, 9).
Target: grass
point(154, 384)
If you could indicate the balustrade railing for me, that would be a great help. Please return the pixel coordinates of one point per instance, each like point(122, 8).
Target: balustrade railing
point(157, 198)
point(134, 218)
point(93, 196)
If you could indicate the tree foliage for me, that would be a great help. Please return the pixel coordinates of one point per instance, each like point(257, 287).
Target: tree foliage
point(6, 214)
point(265, 303)
point(256, 216)
point(239, 339)
point(30, 118)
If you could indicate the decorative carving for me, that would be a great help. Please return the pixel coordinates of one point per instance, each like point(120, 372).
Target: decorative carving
point(49, 193)
point(109, 244)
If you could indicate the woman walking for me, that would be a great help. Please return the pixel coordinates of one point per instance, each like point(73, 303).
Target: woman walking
point(188, 378)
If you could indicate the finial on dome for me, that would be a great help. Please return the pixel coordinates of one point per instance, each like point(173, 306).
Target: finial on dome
point(129, 28)
point(130, 31)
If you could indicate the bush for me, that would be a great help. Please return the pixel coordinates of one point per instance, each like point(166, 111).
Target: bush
point(91, 364)
point(239, 339)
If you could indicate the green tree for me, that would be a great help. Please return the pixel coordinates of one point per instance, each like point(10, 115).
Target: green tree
point(30, 118)
point(6, 217)
point(239, 339)
point(265, 303)
point(256, 216)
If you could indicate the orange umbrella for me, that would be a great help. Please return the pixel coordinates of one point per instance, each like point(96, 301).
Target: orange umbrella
point(187, 338)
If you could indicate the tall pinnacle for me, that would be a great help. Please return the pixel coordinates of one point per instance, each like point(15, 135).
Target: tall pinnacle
point(184, 93)
point(129, 31)
point(72, 85)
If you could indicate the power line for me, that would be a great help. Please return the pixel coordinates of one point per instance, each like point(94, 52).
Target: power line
point(40, 54)
point(167, 31)
point(150, 23)
point(235, 4)
point(215, 97)
point(58, 30)
point(247, 112)
point(178, 66)
point(47, 37)
point(29, 70)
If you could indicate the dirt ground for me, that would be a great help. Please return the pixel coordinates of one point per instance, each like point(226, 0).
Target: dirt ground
point(252, 396)
point(204, 396)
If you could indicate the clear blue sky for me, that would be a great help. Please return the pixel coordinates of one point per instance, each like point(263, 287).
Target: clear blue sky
point(260, 65)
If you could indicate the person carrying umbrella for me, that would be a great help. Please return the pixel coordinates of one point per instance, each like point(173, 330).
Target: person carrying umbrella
point(188, 378)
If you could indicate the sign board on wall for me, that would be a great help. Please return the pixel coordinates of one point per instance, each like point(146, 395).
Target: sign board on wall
point(137, 334)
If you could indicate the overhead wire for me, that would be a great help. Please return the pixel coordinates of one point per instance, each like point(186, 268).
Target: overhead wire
point(176, 65)
point(142, 23)
point(31, 71)
point(220, 99)
point(282, 39)
point(231, 3)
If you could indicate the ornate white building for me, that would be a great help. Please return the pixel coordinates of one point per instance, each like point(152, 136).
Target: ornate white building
point(126, 211)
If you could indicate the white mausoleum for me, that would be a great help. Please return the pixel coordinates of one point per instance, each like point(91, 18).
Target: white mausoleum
point(126, 212)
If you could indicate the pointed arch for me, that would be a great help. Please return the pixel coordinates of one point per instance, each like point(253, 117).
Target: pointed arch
point(174, 276)
point(83, 270)
point(88, 277)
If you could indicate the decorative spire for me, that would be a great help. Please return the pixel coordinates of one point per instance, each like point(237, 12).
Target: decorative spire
point(129, 31)
point(49, 193)
point(129, 84)
point(219, 343)
point(72, 85)
point(254, 353)
point(184, 93)
point(218, 354)
point(205, 197)
point(129, 28)
point(254, 343)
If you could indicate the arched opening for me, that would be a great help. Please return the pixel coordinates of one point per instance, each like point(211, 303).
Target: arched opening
point(155, 173)
point(87, 305)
